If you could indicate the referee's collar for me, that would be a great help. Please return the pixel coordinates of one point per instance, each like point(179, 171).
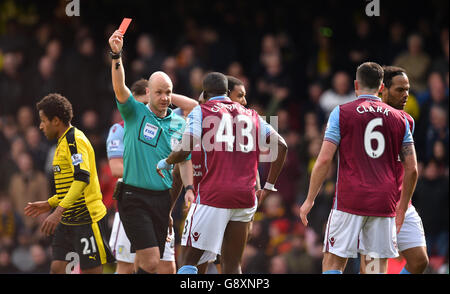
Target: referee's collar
point(168, 115)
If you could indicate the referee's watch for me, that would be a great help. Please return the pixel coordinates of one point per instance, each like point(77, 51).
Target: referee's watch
point(189, 187)
point(115, 55)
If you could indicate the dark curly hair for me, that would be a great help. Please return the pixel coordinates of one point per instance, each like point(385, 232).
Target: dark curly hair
point(55, 104)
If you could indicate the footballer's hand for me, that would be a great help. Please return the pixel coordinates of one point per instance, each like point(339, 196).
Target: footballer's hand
point(189, 198)
point(34, 209)
point(261, 194)
point(399, 218)
point(116, 41)
point(50, 223)
point(162, 164)
point(168, 238)
point(304, 210)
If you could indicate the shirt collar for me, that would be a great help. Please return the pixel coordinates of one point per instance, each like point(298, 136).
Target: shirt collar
point(64, 134)
point(169, 113)
point(220, 98)
point(365, 96)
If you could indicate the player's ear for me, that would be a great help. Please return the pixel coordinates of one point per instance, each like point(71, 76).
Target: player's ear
point(381, 88)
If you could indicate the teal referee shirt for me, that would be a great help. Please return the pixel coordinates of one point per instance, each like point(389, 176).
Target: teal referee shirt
point(148, 139)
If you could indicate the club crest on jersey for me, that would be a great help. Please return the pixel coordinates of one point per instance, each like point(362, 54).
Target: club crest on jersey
point(56, 169)
point(77, 159)
point(150, 131)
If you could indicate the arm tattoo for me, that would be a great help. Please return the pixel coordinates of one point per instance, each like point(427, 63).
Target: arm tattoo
point(117, 65)
point(406, 151)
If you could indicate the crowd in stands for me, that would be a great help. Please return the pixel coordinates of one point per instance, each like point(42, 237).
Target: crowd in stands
point(296, 64)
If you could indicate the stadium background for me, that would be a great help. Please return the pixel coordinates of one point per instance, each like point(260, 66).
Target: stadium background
point(297, 59)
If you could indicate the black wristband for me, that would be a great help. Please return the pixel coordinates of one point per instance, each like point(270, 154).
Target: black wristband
point(189, 187)
point(115, 55)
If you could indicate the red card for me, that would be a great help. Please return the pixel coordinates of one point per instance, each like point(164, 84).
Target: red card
point(124, 25)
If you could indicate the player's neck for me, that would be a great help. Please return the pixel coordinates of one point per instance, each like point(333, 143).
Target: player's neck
point(365, 93)
point(62, 130)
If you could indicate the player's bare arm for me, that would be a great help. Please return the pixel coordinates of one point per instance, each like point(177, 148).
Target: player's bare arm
point(117, 71)
point(116, 166)
point(409, 161)
point(318, 175)
point(187, 176)
point(275, 167)
point(185, 103)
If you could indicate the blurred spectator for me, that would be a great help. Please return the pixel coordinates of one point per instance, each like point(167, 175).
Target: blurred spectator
point(11, 223)
point(41, 261)
point(437, 130)
point(28, 185)
point(416, 62)
point(278, 265)
point(42, 80)
point(148, 58)
point(37, 147)
point(274, 85)
point(11, 90)
point(25, 119)
point(322, 52)
point(431, 200)
point(299, 260)
point(396, 43)
point(365, 45)
point(440, 64)
point(219, 49)
point(21, 255)
point(340, 93)
point(10, 162)
point(6, 266)
point(92, 127)
point(437, 96)
point(196, 82)
point(312, 104)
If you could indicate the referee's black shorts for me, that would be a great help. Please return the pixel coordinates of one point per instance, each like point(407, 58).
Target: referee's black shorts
point(145, 217)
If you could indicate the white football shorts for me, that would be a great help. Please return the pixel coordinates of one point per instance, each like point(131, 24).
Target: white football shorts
point(348, 234)
point(119, 243)
point(411, 233)
point(205, 226)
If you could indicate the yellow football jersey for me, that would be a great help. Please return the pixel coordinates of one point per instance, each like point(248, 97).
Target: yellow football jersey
point(74, 159)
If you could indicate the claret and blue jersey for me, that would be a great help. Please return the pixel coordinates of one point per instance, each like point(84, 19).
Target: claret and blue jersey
point(369, 135)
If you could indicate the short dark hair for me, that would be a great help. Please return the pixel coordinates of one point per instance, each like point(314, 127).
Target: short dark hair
point(56, 105)
point(369, 75)
point(390, 72)
point(215, 83)
point(138, 88)
point(233, 82)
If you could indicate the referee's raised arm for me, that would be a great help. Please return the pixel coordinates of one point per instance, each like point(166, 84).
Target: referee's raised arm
point(117, 70)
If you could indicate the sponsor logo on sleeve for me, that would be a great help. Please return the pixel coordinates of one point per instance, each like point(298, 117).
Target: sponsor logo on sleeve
point(77, 159)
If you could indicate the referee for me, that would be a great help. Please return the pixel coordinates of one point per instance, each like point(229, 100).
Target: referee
point(150, 133)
